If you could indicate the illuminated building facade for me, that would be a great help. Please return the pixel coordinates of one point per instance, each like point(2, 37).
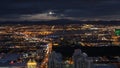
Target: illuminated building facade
point(32, 64)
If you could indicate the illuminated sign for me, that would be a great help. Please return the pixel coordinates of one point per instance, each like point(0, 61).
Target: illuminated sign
point(117, 32)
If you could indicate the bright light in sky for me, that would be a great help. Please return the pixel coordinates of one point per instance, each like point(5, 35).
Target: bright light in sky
point(51, 13)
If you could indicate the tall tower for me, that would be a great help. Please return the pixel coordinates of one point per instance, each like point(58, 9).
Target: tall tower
point(81, 60)
point(55, 60)
point(76, 55)
point(31, 64)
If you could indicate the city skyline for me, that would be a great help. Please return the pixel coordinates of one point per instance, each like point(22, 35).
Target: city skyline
point(56, 45)
point(59, 33)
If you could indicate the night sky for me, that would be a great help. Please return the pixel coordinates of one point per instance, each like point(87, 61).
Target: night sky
point(20, 10)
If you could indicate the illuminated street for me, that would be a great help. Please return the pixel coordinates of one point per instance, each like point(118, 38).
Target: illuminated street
point(45, 60)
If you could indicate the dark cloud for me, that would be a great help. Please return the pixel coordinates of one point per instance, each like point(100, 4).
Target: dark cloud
point(68, 8)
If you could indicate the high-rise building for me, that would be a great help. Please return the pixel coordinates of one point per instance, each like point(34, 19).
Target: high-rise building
point(81, 60)
point(55, 60)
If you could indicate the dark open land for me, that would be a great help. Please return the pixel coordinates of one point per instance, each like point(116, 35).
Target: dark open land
point(68, 51)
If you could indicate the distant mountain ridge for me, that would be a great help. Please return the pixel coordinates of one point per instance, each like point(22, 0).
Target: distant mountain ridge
point(62, 22)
